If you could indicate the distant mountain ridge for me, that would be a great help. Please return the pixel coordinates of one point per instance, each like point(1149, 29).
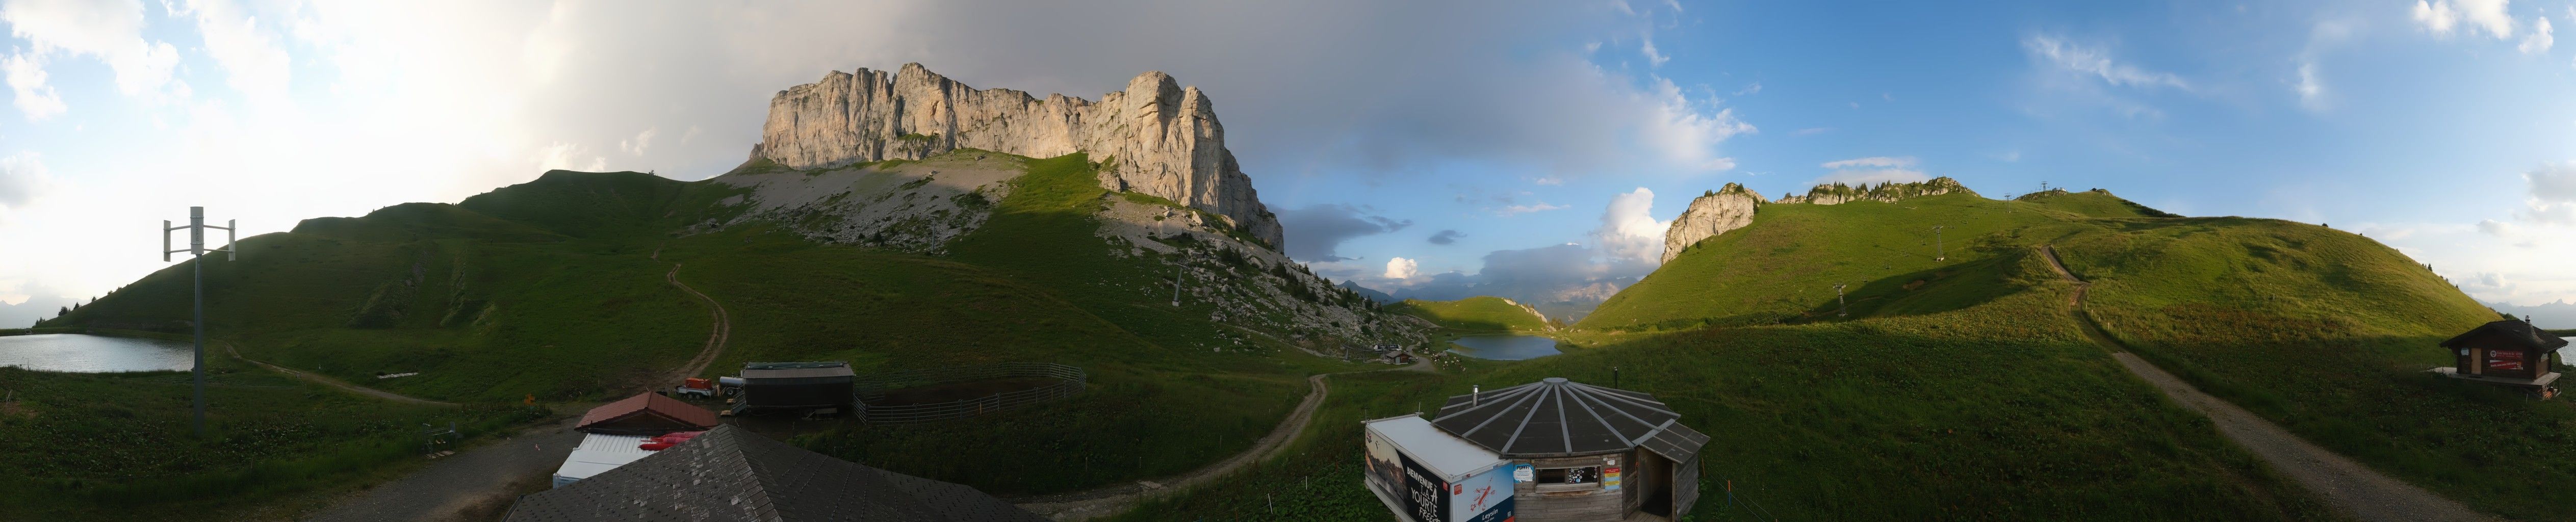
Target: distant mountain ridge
point(1156, 137)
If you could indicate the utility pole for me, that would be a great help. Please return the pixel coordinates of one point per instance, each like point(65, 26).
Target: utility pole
point(1844, 307)
point(1177, 274)
point(197, 253)
point(1938, 253)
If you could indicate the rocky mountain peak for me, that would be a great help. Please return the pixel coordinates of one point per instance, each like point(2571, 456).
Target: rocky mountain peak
point(1157, 137)
point(1713, 213)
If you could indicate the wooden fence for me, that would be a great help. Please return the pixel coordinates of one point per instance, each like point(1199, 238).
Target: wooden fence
point(1069, 381)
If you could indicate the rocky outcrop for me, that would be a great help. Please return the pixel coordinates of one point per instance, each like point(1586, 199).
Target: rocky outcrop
point(1156, 137)
point(1891, 192)
point(1713, 213)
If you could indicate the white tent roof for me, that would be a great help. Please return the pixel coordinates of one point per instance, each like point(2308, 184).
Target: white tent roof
point(598, 453)
point(1445, 454)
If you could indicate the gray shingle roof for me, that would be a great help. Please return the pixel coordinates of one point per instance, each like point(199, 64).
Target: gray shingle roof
point(732, 475)
point(1559, 417)
point(2519, 332)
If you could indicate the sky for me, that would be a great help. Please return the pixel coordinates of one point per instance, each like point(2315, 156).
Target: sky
point(1534, 150)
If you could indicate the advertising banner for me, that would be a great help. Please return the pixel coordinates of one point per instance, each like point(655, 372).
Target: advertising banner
point(1425, 496)
point(2504, 360)
point(1383, 471)
point(1610, 478)
point(1483, 497)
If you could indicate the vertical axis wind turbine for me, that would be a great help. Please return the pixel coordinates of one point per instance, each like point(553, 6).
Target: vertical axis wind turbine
point(197, 250)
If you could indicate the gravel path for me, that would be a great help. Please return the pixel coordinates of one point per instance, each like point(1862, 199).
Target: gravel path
point(474, 478)
point(1086, 505)
point(335, 383)
point(715, 340)
point(2348, 486)
point(456, 483)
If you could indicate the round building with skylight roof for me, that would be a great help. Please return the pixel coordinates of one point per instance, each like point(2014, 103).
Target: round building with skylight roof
point(1544, 451)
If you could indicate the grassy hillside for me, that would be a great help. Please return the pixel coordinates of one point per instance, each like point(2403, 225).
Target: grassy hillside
point(1981, 413)
point(1784, 266)
point(112, 446)
point(2323, 331)
point(1476, 314)
point(2329, 334)
point(557, 288)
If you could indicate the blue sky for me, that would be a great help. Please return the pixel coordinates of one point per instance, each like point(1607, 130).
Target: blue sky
point(1552, 138)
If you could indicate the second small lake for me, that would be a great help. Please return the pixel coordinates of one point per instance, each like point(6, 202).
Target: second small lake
point(1505, 347)
point(94, 353)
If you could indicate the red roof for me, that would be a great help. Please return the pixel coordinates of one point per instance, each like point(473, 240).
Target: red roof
point(649, 403)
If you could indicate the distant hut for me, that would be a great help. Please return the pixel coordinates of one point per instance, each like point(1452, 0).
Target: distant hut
point(1572, 451)
point(730, 475)
point(796, 385)
point(646, 414)
point(2508, 352)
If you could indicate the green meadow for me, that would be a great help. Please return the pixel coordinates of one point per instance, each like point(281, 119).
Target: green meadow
point(1476, 314)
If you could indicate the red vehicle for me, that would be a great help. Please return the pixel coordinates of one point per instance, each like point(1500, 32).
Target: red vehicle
point(698, 386)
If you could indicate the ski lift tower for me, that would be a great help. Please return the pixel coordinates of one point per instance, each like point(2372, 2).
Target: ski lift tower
point(197, 250)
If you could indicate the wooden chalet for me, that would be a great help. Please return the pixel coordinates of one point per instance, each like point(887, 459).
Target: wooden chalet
point(646, 414)
point(2507, 352)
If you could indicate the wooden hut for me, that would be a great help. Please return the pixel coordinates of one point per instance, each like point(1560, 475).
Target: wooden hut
point(1580, 452)
point(2507, 352)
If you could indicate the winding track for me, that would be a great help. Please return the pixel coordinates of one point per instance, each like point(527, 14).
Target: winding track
point(335, 383)
point(2346, 485)
point(1086, 505)
point(485, 473)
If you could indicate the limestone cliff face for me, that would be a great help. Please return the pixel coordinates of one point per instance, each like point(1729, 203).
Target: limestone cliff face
point(1726, 209)
point(1837, 193)
point(1159, 138)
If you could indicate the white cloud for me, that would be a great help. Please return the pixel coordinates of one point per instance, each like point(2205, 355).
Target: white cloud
point(2097, 63)
point(1549, 180)
point(1525, 209)
point(2540, 39)
point(2312, 92)
point(22, 179)
point(1653, 58)
point(1401, 268)
point(1686, 132)
point(1749, 90)
point(566, 156)
point(28, 90)
point(1871, 177)
point(2552, 198)
point(109, 30)
point(1874, 161)
point(254, 61)
point(2442, 16)
point(2495, 228)
point(636, 145)
point(1629, 230)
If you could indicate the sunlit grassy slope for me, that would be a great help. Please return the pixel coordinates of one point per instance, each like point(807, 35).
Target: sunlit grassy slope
point(2324, 331)
point(557, 288)
point(1480, 314)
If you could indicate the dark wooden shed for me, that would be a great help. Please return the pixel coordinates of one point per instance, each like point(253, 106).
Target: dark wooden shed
point(796, 385)
point(2507, 352)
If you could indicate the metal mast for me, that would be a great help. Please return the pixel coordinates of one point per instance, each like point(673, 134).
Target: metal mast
point(1843, 308)
point(196, 250)
point(1939, 253)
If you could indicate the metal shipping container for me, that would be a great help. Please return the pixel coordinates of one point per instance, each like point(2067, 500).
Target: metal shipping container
point(1426, 475)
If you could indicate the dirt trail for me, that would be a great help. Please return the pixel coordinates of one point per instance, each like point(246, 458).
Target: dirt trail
point(1086, 505)
point(723, 330)
point(486, 474)
point(2348, 486)
point(335, 383)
